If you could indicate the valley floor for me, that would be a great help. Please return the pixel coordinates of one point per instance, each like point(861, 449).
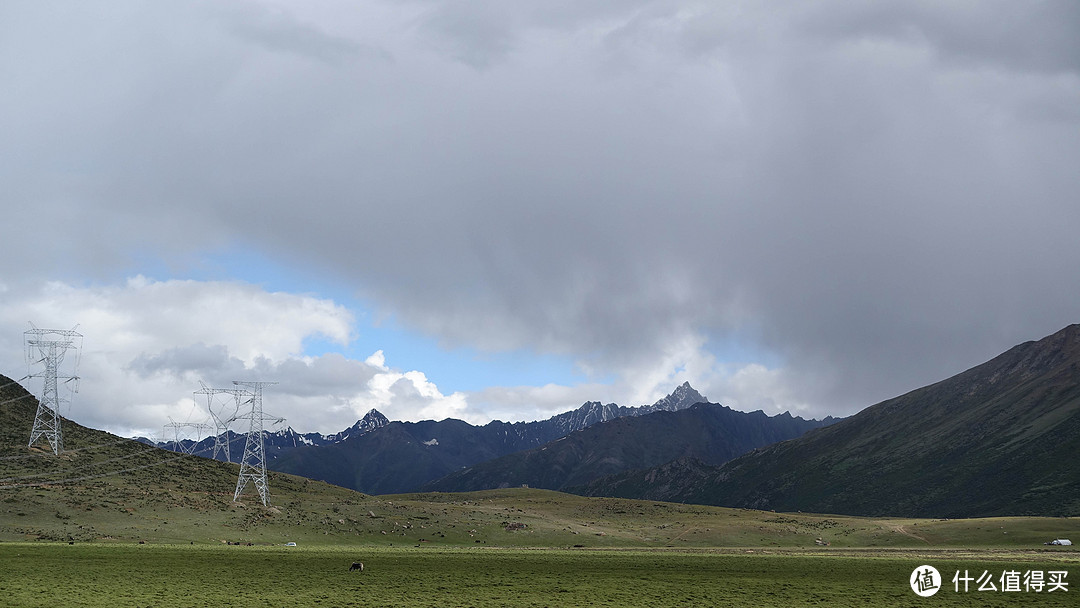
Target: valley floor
point(127, 574)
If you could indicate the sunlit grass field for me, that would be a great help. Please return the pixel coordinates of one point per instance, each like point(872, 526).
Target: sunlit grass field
point(120, 575)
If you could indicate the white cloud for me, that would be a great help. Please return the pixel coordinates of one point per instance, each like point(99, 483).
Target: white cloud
point(741, 386)
point(376, 359)
point(877, 188)
point(757, 387)
point(410, 395)
point(143, 315)
point(148, 345)
point(527, 403)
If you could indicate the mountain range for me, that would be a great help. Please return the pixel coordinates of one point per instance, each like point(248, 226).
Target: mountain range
point(1001, 438)
point(707, 431)
point(475, 443)
point(570, 448)
point(405, 456)
point(275, 443)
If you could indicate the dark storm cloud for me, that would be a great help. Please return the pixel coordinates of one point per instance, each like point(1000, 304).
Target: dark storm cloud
point(878, 194)
point(277, 31)
point(1021, 36)
point(198, 358)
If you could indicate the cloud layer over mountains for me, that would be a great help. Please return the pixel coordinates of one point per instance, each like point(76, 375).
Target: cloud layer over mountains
point(812, 205)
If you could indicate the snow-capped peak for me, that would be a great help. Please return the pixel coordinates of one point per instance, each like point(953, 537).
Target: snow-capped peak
point(681, 398)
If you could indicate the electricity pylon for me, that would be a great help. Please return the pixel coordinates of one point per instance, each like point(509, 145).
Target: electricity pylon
point(48, 347)
point(179, 435)
point(222, 417)
point(253, 464)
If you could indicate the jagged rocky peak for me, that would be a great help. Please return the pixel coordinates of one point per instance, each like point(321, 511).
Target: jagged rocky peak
point(681, 398)
point(594, 411)
point(373, 419)
point(590, 412)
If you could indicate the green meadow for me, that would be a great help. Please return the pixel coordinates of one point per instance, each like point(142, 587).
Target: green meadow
point(122, 575)
point(116, 545)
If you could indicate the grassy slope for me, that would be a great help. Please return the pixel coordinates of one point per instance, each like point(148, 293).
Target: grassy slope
point(104, 488)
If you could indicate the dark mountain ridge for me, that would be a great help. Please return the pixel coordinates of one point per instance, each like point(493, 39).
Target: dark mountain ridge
point(275, 443)
point(403, 456)
point(526, 433)
point(710, 432)
point(998, 439)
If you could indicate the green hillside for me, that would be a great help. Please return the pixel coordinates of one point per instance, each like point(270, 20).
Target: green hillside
point(999, 439)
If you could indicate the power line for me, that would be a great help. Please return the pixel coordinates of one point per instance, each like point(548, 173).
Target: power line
point(88, 447)
point(151, 450)
point(14, 399)
point(31, 396)
point(60, 482)
point(181, 434)
point(3, 386)
point(86, 466)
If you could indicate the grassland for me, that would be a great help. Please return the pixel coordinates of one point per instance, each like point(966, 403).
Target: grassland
point(122, 575)
point(168, 547)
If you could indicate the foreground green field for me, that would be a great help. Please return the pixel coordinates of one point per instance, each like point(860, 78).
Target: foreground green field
point(122, 575)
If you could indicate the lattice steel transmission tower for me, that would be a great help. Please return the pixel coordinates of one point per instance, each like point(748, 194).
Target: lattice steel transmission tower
point(181, 432)
point(253, 464)
point(49, 347)
point(222, 415)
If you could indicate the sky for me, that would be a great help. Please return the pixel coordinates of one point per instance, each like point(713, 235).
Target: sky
point(500, 210)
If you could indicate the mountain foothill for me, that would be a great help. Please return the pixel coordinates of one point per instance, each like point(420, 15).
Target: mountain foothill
point(998, 439)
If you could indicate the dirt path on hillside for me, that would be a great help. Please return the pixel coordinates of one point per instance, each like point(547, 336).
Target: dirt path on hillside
point(684, 533)
point(900, 529)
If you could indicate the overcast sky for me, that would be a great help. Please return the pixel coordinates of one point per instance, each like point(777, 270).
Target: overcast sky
point(489, 209)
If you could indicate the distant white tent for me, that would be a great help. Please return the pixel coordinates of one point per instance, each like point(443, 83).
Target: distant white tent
point(1060, 541)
